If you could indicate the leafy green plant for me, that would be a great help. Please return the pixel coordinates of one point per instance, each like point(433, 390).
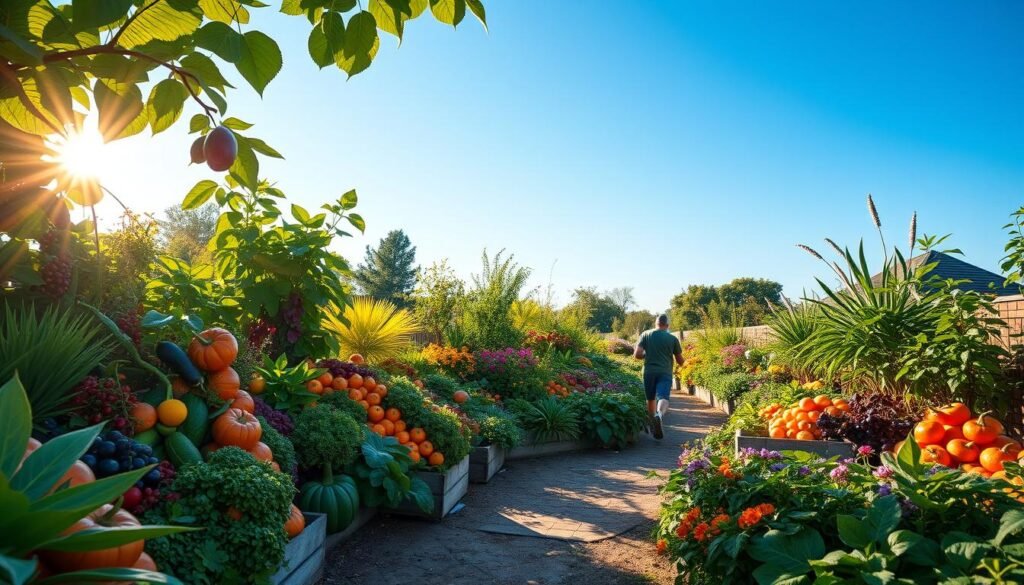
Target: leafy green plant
point(547, 420)
point(447, 433)
point(487, 315)
point(40, 507)
point(608, 418)
point(180, 298)
point(729, 386)
point(243, 503)
point(280, 446)
point(791, 327)
point(341, 401)
point(286, 385)
point(375, 329)
point(325, 437)
point(383, 475)
point(500, 431)
point(52, 351)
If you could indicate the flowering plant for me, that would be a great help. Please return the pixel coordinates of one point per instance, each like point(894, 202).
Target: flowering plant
point(457, 361)
point(512, 372)
point(544, 342)
point(734, 356)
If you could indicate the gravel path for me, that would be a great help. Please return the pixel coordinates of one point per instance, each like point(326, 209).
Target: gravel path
point(604, 490)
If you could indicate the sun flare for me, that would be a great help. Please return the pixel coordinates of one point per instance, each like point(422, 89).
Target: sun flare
point(82, 155)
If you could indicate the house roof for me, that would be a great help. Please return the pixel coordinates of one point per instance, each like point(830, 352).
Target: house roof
point(978, 279)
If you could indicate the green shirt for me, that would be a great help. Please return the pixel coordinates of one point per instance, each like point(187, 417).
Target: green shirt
point(660, 348)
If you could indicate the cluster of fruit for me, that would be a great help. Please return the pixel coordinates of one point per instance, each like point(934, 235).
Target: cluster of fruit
point(556, 389)
point(113, 452)
point(800, 419)
point(98, 399)
point(143, 496)
point(56, 267)
point(954, 437)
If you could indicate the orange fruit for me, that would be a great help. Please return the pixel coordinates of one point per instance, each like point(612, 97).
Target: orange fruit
point(814, 416)
point(414, 455)
point(355, 394)
point(399, 425)
point(402, 436)
point(382, 390)
point(315, 387)
point(417, 435)
point(992, 458)
point(929, 432)
point(805, 436)
point(378, 428)
point(955, 414)
point(1002, 441)
point(833, 411)
point(803, 425)
point(356, 358)
point(225, 383)
point(982, 430)
point(262, 452)
point(355, 381)
point(426, 448)
point(962, 450)
point(460, 396)
point(375, 413)
point(435, 459)
point(807, 404)
point(172, 412)
point(803, 416)
point(389, 427)
point(935, 454)
point(791, 434)
point(339, 383)
point(179, 387)
point(822, 401)
point(326, 379)
point(144, 415)
point(373, 398)
point(244, 402)
point(418, 383)
point(257, 384)
point(778, 433)
point(392, 414)
point(369, 383)
point(841, 404)
point(952, 432)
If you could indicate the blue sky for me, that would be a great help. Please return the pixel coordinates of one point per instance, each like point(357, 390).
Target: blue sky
point(657, 146)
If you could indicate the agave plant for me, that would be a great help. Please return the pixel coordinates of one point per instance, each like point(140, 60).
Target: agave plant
point(792, 326)
point(548, 419)
point(375, 329)
point(52, 351)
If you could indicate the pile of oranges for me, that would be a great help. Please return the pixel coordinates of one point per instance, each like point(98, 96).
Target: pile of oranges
point(954, 437)
point(556, 389)
point(800, 419)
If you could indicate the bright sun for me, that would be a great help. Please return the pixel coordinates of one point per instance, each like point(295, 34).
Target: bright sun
point(82, 155)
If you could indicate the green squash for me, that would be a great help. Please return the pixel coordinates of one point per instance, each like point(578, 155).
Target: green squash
point(335, 496)
point(197, 423)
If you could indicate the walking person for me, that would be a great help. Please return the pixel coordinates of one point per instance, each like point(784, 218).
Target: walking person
point(658, 348)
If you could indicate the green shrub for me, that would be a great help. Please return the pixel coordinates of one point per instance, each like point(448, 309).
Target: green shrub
point(610, 419)
point(500, 431)
point(242, 549)
point(383, 477)
point(341, 401)
point(730, 386)
point(325, 436)
point(447, 433)
point(440, 385)
point(406, 397)
point(546, 420)
point(284, 451)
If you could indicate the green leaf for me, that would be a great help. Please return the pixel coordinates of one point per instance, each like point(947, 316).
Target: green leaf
point(852, 531)
point(199, 194)
point(349, 200)
point(161, 21)
point(98, 13)
point(774, 575)
point(226, 11)
point(361, 43)
point(790, 553)
point(198, 123)
point(327, 39)
point(420, 493)
point(246, 168)
point(31, 53)
point(477, 8)
point(449, 11)
point(42, 470)
point(391, 15)
point(1011, 523)
point(155, 320)
point(16, 571)
point(908, 459)
point(206, 70)
point(166, 102)
point(119, 112)
point(222, 40)
point(882, 518)
point(262, 148)
point(17, 427)
point(963, 551)
point(110, 537)
point(300, 213)
point(107, 575)
point(357, 221)
point(260, 61)
point(236, 124)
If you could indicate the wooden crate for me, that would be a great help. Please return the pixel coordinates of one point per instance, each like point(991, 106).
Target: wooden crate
point(826, 449)
point(447, 488)
point(485, 462)
point(304, 555)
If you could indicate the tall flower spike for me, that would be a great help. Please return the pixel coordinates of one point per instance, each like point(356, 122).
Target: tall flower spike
point(913, 231)
point(810, 251)
point(874, 212)
point(835, 247)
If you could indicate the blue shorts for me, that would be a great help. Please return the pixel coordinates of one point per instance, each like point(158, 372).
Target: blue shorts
point(657, 385)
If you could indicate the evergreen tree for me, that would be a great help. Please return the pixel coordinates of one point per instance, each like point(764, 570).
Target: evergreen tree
point(389, 272)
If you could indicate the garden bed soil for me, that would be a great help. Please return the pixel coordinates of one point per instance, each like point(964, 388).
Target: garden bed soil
point(485, 462)
point(364, 516)
point(447, 488)
point(304, 554)
point(825, 449)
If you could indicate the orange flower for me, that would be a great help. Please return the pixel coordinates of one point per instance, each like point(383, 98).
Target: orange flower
point(662, 546)
point(692, 515)
point(683, 530)
point(719, 522)
point(701, 531)
point(748, 518)
point(766, 509)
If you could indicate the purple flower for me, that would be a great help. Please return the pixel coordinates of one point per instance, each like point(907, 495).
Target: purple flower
point(884, 489)
point(696, 465)
point(804, 470)
point(908, 507)
point(766, 454)
point(839, 474)
point(865, 450)
point(882, 472)
point(777, 467)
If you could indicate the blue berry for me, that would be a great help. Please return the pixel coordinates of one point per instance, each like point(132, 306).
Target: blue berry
point(108, 467)
point(123, 445)
point(106, 449)
point(143, 449)
point(90, 460)
point(138, 463)
point(153, 476)
point(152, 460)
point(115, 436)
point(139, 484)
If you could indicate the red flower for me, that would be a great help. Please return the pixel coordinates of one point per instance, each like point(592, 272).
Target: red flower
point(683, 530)
point(766, 509)
point(662, 546)
point(701, 531)
point(748, 518)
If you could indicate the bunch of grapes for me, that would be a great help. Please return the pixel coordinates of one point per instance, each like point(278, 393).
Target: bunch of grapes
point(130, 324)
point(291, 315)
point(876, 420)
point(56, 267)
point(112, 453)
point(99, 399)
point(260, 331)
point(344, 369)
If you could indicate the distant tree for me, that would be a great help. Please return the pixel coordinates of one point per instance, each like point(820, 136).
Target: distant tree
point(633, 324)
point(389, 272)
point(622, 297)
point(743, 302)
point(688, 306)
point(488, 318)
point(438, 298)
point(602, 309)
point(186, 234)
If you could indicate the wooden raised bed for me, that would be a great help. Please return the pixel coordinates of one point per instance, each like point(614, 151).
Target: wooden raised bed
point(704, 394)
point(304, 555)
point(531, 450)
point(447, 488)
point(485, 462)
point(826, 449)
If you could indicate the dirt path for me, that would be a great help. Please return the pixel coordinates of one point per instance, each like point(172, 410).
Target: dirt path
point(601, 489)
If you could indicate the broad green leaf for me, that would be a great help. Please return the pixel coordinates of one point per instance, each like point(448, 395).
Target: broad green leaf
point(327, 39)
point(222, 40)
point(205, 69)
point(226, 11)
point(43, 469)
point(349, 200)
point(217, 99)
point(14, 112)
point(166, 102)
point(361, 44)
point(448, 11)
point(198, 123)
point(199, 194)
point(98, 13)
point(118, 113)
point(236, 124)
point(104, 537)
point(477, 8)
point(161, 21)
point(357, 221)
point(768, 574)
point(24, 51)
point(300, 213)
point(16, 571)
point(17, 427)
point(108, 575)
point(391, 15)
point(963, 550)
point(155, 319)
point(1011, 523)
point(882, 518)
point(262, 148)
point(790, 553)
point(418, 7)
point(260, 61)
point(246, 168)
point(852, 531)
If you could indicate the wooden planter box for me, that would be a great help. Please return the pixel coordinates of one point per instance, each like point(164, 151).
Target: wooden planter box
point(448, 488)
point(485, 462)
point(826, 449)
point(726, 406)
point(704, 394)
point(364, 516)
point(531, 450)
point(691, 389)
point(304, 555)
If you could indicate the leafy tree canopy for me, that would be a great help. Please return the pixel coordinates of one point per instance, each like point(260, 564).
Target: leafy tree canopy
point(438, 299)
point(389, 272)
point(186, 234)
point(741, 302)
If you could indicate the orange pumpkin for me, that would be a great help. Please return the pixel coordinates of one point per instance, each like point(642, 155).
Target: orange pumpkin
point(237, 427)
point(963, 451)
point(146, 563)
point(355, 381)
point(935, 454)
point(339, 383)
point(296, 522)
point(460, 396)
point(436, 458)
point(982, 430)
point(356, 358)
point(262, 452)
point(992, 458)
point(125, 555)
point(954, 414)
point(213, 349)
point(244, 401)
point(225, 383)
point(257, 384)
point(929, 432)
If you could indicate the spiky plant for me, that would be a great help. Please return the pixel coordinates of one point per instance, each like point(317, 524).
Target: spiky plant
point(792, 327)
point(51, 352)
point(376, 329)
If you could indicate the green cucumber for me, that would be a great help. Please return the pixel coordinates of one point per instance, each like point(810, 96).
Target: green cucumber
point(165, 430)
point(180, 451)
point(150, 437)
point(177, 360)
point(197, 423)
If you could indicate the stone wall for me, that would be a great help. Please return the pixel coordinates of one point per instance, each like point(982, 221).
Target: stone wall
point(757, 335)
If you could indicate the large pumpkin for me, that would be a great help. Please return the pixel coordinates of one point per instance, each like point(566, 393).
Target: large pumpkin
point(225, 383)
point(335, 496)
point(296, 522)
point(213, 349)
point(238, 428)
point(125, 555)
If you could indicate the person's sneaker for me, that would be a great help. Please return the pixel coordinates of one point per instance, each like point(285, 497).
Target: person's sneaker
point(656, 424)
